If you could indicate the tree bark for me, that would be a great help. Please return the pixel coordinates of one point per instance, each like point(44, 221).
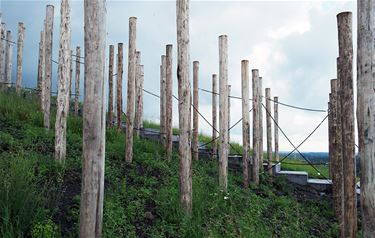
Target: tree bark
point(344, 21)
point(256, 129)
point(195, 150)
point(245, 122)
point(214, 116)
point(168, 103)
point(92, 193)
point(184, 105)
point(269, 132)
point(120, 71)
point(162, 99)
point(78, 74)
point(366, 112)
point(138, 91)
point(223, 112)
point(110, 82)
point(63, 82)
point(131, 91)
point(20, 45)
point(48, 64)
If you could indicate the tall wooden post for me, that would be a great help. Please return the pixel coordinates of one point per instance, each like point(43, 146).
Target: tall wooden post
point(214, 116)
point(40, 67)
point(365, 112)
point(184, 105)
point(162, 99)
point(48, 64)
point(168, 103)
point(8, 60)
point(223, 112)
point(138, 92)
point(344, 21)
point(70, 78)
point(194, 142)
point(229, 91)
point(77, 85)
point(20, 44)
point(269, 132)
point(245, 121)
point(63, 82)
point(261, 123)
point(120, 71)
point(140, 96)
point(256, 129)
point(43, 72)
point(2, 54)
point(92, 192)
point(276, 127)
point(131, 91)
point(110, 84)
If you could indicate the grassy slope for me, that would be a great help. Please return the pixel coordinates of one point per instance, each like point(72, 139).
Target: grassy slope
point(40, 198)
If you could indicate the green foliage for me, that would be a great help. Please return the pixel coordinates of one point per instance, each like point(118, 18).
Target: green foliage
point(47, 229)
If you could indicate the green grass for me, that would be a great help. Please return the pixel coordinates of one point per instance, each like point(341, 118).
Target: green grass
point(304, 166)
point(40, 198)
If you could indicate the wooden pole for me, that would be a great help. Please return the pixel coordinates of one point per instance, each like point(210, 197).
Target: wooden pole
point(43, 72)
point(261, 124)
point(91, 208)
point(229, 91)
point(162, 99)
point(140, 95)
point(20, 44)
point(120, 70)
point(276, 127)
point(8, 60)
point(63, 82)
point(223, 112)
point(184, 105)
point(245, 121)
point(344, 21)
point(110, 82)
point(138, 91)
point(40, 67)
point(2, 54)
point(131, 91)
point(168, 103)
point(214, 116)
point(365, 112)
point(256, 129)
point(194, 142)
point(269, 132)
point(48, 64)
point(70, 78)
point(77, 86)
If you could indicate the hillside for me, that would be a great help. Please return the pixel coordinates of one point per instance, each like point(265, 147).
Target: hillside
point(40, 198)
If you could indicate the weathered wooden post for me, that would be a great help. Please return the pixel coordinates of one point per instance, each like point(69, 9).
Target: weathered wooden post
point(120, 71)
point(344, 21)
point(261, 123)
point(110, 84)
point(43, 72)
point(365, 112)
point(63, 82)
point(168, 103)
point(229, 91)
point(269, 132)
point(162, 99)
point(2, 54)
point(77, 85)
point(92, 192)
point(131, 91)
point(214, 116)
point(70, 78)
point(138, 92)
point(8, 60)
point(48, 64)
point(140, 96)
point(184, 105)
point(194, 142)
point(40, 62)
point(223, 112)
point(256, 129)
point(20, 44)
point(276, 127)
point(245, 121)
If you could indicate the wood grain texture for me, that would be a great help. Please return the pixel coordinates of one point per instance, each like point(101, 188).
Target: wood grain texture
point(194, 141)
point(168, 102)
point(245, 81)
point(214, 116)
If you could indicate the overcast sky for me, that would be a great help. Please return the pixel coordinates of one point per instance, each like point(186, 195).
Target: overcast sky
point(292, 43)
